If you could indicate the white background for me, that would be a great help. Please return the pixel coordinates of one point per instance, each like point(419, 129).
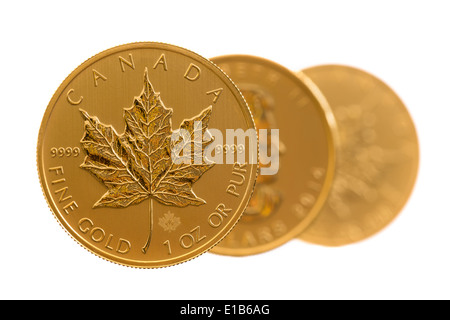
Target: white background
point(406, 43)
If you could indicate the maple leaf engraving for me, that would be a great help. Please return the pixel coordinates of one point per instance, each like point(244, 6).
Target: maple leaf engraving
point(137, 164)
point(169, 222)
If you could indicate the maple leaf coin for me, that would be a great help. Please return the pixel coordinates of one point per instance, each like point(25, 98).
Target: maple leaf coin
point(377, 160)
point(127, 155)
point(285, 203)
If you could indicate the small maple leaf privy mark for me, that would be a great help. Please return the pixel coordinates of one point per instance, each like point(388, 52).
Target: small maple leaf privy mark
point(137, 164)
point(169, 222)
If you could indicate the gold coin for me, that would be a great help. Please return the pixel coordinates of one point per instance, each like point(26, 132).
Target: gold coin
point(377, 160)
point(285, 202)
point(122, 155)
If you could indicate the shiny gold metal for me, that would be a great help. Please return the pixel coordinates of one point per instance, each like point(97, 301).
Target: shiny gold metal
point(285, 203)
point(106, 155)
point(377, 160)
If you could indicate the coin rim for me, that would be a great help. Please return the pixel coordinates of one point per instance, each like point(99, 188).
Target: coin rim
point(42, 178)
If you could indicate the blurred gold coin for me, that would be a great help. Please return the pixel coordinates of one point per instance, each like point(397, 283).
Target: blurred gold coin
point(287, 200)
point(377, 160)
point(122, 155)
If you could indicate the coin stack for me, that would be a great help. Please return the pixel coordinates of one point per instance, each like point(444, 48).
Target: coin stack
point(150, 155)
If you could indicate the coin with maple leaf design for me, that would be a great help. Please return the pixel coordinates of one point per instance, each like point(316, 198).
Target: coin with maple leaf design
point(301, 130)
point(123, 155)
point(377, 160)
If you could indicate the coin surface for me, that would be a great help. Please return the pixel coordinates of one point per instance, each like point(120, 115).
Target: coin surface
point(377, 160)
point(108, 160)
point(284, 203)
